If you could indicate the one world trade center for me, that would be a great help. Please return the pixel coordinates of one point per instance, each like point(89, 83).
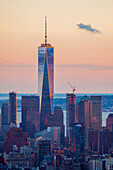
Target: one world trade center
point(45, 80)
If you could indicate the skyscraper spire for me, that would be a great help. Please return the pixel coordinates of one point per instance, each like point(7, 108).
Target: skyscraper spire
point(45, 30)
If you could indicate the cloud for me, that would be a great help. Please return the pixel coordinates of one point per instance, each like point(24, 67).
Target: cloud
point(87, 66)
point(88, 28)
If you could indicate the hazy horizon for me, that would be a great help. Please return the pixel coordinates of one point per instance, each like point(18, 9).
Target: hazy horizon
point(81, 33)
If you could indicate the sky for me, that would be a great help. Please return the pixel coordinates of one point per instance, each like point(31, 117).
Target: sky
point(81, 32)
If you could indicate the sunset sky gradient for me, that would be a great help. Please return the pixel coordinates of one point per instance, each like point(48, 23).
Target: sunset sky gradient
point(82, 56)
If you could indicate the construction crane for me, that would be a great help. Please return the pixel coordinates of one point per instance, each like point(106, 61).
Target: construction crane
point(71, 86)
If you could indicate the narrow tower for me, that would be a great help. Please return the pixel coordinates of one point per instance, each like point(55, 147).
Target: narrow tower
point(45, 80)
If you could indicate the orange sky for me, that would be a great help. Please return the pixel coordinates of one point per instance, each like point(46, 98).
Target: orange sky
point(81, 57)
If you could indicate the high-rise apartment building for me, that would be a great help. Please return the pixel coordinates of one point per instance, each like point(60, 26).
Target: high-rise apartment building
point(4, 116)
point(13, 107)
point(70, 112)
point(96, 112)
point(30, 114)
point(45, 80)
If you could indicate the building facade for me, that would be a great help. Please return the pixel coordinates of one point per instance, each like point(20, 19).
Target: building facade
point(13, 107)
point(96, 112)
point(70, 113)
point(4, 116)
point(85, 114)
point(30, 114)
point(45, 81)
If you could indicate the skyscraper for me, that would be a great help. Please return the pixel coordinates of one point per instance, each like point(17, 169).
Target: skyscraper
point(30, 114)
point(45, 80)
point(13, 108)
point(4, 116)
point(70, 112)
point(96, 112)
point(85, 114)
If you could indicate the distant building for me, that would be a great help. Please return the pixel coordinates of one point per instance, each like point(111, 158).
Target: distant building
point(85, 114)
point(32, 160)
point(26, 150)
point(109, 122)
point(45, 80)
point(93, 139)
point(96, 112)
point(70, 113)
point(16, 159)
point(56, 119)
point(4, 117)
point(44, 147)
point(15, 137)
point(51, 133)
point(30, 114)
point(105, 141)
point(13, 107)
point(78, 140)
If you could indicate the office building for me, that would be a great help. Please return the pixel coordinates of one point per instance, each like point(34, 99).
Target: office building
point(70, 113)
point(96, 112)
point(4, 117)
point(56, 119)
point(93, 139)
point(105, 141)
point(30, 114)
point(85, 114)
point(45, 80)
point(13, 107)
point(78, 140)
point(109, 122)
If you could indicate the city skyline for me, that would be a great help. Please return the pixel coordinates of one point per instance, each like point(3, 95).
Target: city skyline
point(81, 33)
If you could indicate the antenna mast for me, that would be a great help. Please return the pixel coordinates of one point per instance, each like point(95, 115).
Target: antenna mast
point(45, 30)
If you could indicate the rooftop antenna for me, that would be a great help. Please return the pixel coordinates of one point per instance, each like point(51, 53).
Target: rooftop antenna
point(45, 30)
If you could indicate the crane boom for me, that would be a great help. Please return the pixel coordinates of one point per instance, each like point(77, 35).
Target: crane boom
point(71, 86)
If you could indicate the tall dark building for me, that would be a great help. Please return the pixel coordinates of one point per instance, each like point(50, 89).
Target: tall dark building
point(70, 112)
point(93, 139)
point(13, 107)
point(30, 114)
point(105, 141)
point(78, 140)
point(109, 122)
point(85, 114)
point(96, 112)
point(45, 80)
point(4, 116)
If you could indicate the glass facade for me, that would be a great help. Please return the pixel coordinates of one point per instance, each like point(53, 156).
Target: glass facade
point(30, 114)
point(13, 107)
point(45, 82)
